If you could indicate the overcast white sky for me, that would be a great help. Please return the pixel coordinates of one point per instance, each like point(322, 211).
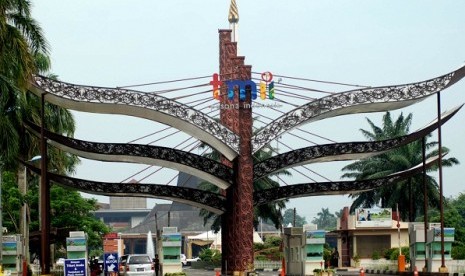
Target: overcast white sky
point(119, 42)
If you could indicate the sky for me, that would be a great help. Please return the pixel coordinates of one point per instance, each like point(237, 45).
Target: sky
point(114, 43)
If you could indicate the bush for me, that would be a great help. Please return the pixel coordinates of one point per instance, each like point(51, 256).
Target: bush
point(458, 252)
point(376, 255)
point(267, 254)
point(211, 255)
point(259, 246)
point(393, 253)
point(272, 241)
point(269, 250)
point(176, 274)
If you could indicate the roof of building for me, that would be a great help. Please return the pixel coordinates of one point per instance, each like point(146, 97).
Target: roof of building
point(185, 217)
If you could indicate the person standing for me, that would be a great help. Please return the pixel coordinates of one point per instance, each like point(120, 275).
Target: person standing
point(156, 263)
point(335, 258)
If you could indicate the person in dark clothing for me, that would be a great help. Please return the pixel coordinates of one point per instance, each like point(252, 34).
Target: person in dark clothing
point(95, 269)
point(156, 263)
point(334, 258)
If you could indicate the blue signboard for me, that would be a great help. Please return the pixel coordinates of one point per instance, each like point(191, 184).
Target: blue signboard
point(75, 267)
point(111, 262)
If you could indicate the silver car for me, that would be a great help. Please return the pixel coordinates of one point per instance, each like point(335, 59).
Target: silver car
point(136, 265)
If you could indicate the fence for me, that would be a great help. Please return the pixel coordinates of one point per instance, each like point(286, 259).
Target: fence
point(267, 264)
point(454, 266)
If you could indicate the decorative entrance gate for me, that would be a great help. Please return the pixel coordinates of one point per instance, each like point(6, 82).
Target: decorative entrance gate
point(234, 138)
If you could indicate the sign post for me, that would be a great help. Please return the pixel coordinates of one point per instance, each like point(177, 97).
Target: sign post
point(75, 267)
point(110, 263)
point(401, 258)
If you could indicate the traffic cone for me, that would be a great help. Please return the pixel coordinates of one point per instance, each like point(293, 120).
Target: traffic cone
point(362, 272)
point(218, 273)
point(283, 267)
point(415, 271)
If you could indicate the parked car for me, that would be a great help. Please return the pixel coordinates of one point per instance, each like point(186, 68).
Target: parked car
point(190, 261)
point(136, 265)
point(183, 259)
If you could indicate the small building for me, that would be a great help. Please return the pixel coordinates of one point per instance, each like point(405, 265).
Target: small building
point(123, 213)
point(368, 231)
point(132, 221)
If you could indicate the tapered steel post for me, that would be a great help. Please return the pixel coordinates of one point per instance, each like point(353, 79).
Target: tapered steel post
point(441, 195)
point(425, 197)
point(44, 196)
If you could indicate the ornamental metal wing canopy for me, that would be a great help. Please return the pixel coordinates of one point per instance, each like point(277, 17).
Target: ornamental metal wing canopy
point(139, 104)
point(365, 100)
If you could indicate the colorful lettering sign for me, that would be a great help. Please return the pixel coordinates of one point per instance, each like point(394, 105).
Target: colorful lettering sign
point(216, 83)
point(267, 85)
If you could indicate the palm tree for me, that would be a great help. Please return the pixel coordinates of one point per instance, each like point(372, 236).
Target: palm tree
point(325, 220)
point(403, 193)
point(268, 212)
point(24, 52)
point(21, 41)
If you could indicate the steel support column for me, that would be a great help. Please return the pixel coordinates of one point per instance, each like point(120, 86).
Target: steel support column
point(425, 197)
point(441, 194)
point(44, 196)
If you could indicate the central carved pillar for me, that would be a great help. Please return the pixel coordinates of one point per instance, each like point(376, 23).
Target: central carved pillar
point(237, 221)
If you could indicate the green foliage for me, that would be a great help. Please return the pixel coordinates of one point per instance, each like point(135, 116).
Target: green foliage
point(96, 252)
point(12, 201)
point(454, 216)
point(176, 274)
point(211, 255)
point(259, 246)
point(393, 253)
point(69, 210)
point(356, 258)
point(288, 217)
point(458, 252)
point(327, 254)
point(269, 254)
point(399, 159)
point(269, 250)
point(325, 220)
point(272, 241)
point(376, 255)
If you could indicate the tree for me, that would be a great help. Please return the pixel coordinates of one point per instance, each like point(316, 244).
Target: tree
point(24, 52)
point(267, 212)
point(454, 217)
point(21, 41)
point(69, 210)
point(325, 220)
point(288, 218)
point(403, 193)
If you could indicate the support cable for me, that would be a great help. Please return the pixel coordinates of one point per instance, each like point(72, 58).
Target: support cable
point(319, 81)
point(163, 82)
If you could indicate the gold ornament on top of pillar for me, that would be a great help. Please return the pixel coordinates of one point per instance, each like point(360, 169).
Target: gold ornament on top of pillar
point(233, 18)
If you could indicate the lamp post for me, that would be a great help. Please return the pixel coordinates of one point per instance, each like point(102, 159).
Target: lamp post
point(24, 210)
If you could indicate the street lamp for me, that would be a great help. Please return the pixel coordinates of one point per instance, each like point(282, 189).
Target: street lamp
point(24, 208)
